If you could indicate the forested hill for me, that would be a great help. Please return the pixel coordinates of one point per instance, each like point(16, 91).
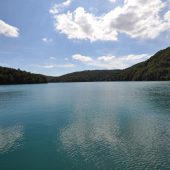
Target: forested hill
point(88, 76)
point(157, 68)
point(13, 76)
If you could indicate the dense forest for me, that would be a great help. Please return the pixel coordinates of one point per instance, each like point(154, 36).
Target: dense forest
point(13, 76)
point(157, 68)
point(88, 76)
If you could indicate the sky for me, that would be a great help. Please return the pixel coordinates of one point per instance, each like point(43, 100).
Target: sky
point(55, 37)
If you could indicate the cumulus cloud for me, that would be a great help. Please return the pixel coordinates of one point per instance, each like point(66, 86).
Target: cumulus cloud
point(84, 26)
point(144, 19)
point(111, 62)
point(8, 30)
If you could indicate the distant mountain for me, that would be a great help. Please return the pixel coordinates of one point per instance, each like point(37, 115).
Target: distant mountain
point(13, 76)
point(157, 68)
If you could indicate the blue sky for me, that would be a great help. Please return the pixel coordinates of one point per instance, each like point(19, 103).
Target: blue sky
point(55, 37)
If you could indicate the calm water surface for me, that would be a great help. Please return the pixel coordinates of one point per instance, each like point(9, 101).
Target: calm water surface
point(85, 126)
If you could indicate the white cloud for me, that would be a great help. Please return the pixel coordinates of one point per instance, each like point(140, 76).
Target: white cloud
point(82, 58)
point(106, 58)
point(167, 16)
point(144, 19)
point(59, 7)
point(84, 26)
point(49, 66)
point(52, 58)
point(112, 0)
point(111, 62)
point(8, 30)
point(47, 40)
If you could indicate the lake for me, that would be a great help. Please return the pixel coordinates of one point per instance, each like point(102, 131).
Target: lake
point(85, 126)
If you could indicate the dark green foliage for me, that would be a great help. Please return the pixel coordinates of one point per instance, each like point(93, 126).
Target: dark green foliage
point(87, 76)
point(157, 68)
point(13, 76)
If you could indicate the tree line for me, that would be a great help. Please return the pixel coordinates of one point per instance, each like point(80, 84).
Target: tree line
point(16, 76)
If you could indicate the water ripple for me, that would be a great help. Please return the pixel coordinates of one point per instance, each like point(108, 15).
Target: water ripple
point(10, 138)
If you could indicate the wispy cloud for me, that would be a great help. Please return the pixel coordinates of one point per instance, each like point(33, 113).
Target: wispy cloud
point(47, 40)
point(84, 59)
point(8, 30)
point(50, 66)
point(59, 7)
point(110, 62)
point(4, 64)
point(101, 62)
point(66, 59)
point(52, 58)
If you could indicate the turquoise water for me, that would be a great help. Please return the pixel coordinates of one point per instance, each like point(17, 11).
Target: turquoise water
point(85, 126)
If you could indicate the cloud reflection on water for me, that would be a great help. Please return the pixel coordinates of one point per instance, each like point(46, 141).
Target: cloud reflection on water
point(124, 132)
point(10, 138)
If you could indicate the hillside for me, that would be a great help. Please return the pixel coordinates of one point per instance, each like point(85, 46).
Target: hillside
point(13, 76)
point(88, 76)
point(157, 68)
